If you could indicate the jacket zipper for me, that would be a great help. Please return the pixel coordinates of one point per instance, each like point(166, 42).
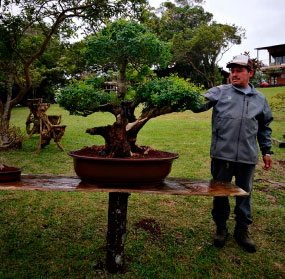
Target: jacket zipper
point(240, 126)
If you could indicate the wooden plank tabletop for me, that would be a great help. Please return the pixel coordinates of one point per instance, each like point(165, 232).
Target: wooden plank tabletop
point(171, 186)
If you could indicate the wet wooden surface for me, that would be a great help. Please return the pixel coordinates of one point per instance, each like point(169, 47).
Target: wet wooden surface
point(171, 186)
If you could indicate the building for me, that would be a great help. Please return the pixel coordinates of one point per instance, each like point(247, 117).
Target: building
point(109, 86)
point(275, 69)
point(225, 75)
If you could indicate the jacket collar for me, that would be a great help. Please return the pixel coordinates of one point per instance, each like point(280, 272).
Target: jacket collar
point(253, 90)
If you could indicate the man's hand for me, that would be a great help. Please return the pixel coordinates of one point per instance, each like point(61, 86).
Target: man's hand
point(267, 162)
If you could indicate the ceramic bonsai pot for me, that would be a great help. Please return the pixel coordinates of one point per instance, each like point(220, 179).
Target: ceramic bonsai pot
point(10, 174)
point(129, 171)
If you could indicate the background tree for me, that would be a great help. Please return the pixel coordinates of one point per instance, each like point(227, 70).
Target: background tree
point(259, 78)
point(198, 43)
point(203, 47)
point(179, 18)
point(72, 62)
point(47, 72)
point(60, 62)
point(120, 45)
point(50, 17)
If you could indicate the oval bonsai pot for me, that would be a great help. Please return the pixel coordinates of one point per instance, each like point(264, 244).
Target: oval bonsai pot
point(130, 171)
point(10, 174)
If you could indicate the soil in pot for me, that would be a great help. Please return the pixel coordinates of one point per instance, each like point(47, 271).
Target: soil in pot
point(149, 168)
point(98, 152)
point(9, 173)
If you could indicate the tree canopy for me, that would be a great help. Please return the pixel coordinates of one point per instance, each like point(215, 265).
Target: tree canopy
point(198, 42)
point(202, 48)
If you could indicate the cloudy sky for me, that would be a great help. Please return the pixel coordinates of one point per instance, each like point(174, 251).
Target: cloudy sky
point(263, 20)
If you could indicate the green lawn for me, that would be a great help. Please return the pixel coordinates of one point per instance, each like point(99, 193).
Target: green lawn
point(62, 235)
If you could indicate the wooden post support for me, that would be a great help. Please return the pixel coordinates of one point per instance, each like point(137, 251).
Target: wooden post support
point(116, 235)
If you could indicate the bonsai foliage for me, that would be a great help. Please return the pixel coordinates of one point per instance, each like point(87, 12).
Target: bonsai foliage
point(121, 45)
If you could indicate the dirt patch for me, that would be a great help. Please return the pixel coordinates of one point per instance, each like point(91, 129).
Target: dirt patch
point(276, 185)
point(149, 225)
point(98, 151)
point(236, 260)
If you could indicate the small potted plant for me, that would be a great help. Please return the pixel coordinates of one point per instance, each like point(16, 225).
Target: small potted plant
point(123, 45)
point(10, 138)
point(9, 173)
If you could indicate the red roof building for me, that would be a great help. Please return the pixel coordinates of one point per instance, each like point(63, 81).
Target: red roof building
point(275, 70)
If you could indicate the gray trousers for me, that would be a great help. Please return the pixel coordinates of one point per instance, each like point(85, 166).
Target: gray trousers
point(243, 173)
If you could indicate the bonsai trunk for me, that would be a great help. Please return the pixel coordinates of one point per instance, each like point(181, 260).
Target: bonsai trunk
point(120, 138)
point(116, 138)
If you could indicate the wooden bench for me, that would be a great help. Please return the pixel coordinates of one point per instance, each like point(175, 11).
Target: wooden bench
point(118, 201)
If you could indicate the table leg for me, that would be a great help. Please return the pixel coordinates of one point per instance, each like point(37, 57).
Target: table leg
point(116, 235)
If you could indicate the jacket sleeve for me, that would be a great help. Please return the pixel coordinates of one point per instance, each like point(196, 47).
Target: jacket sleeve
point(264, 131)
point(211, 98)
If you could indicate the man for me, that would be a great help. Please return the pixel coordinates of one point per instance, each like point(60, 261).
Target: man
point(241, 117)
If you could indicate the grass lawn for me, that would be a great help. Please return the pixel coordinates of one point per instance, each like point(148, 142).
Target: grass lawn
point(62, 235)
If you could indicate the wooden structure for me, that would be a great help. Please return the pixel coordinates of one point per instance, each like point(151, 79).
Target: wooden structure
point(109, 86)
point(47, 126)
point(276, 66)
point(118, 201)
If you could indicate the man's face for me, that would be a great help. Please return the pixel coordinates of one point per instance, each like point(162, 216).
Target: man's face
point(240, 76)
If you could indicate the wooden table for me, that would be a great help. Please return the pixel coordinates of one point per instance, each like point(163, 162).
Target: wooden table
point(118, 201)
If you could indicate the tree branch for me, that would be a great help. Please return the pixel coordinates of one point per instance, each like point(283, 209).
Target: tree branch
point(100, 131)
point(134, 127)
point(198, 71)
point(24, 89)
point(105, 108)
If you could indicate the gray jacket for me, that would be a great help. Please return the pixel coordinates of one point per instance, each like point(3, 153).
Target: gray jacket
point(238, 119)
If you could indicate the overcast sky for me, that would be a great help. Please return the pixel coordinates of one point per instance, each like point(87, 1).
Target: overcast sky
point(263, 21)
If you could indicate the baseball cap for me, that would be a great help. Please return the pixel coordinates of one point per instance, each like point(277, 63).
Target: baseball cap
point(241, 60)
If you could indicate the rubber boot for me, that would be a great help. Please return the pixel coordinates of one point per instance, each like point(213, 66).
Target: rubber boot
point(242, 239)
point(221, 236)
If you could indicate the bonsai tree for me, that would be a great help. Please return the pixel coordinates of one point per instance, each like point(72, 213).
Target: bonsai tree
point(120, 45)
